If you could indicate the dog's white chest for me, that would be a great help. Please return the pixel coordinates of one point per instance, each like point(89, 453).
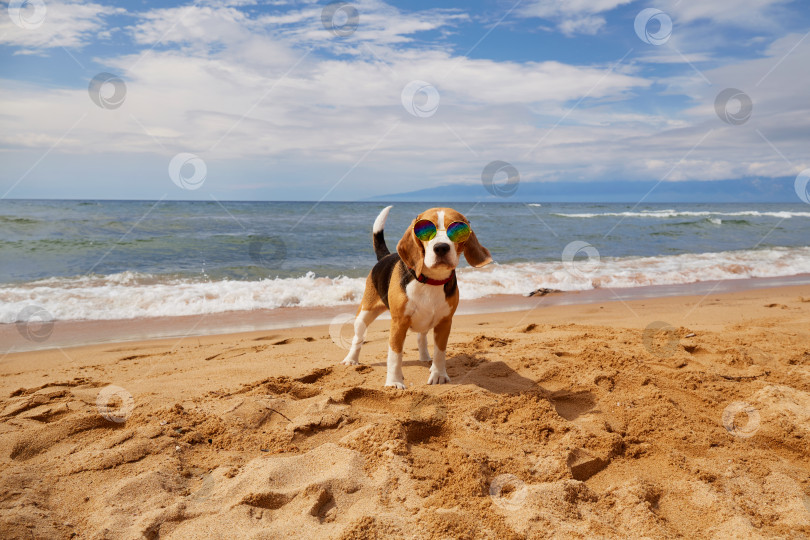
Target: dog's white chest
point(426, 305)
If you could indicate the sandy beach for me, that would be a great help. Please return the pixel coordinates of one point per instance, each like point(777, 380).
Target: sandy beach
point(197, 199)
point(684, 416)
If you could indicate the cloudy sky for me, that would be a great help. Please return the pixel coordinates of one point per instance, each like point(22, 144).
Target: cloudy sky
point(298, 100)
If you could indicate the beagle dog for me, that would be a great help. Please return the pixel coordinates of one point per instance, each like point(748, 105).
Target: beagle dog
point(418, 285)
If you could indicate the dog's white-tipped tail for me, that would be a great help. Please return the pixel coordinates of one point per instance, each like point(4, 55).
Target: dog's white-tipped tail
point(378, 236)
point(379, 223)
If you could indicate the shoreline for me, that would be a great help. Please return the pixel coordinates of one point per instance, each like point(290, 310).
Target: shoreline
point(77, 333)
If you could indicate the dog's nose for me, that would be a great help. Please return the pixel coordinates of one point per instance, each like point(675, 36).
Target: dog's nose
point(441, 249)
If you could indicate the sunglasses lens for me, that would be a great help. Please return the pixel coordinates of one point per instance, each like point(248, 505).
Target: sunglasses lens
point(424, 230)
point(458, 232)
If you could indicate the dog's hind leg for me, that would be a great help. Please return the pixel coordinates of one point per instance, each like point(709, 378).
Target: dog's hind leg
point(364, 318)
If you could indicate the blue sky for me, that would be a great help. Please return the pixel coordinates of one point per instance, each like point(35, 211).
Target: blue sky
point(259, 100)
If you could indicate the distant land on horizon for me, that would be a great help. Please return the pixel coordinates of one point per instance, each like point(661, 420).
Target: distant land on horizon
point(763, 190)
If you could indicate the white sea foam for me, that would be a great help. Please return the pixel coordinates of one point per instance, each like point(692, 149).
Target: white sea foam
point(686, 213)
point(131, 295)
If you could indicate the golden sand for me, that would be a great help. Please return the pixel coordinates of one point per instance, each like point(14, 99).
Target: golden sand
point(578, 421)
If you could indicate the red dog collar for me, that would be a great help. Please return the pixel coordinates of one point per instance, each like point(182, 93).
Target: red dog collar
point(428, 281)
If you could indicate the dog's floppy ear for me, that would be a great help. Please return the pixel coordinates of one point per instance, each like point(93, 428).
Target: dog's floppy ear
point(411, 250)
point(476, 254)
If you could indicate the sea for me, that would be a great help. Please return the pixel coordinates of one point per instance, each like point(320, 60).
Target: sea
point(108, 260)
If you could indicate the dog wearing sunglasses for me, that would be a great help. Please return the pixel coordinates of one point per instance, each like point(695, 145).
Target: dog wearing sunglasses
point(417, 284)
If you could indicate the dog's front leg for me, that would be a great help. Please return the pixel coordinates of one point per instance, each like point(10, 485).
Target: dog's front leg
point(424, 355)
point(438, 370)
point(396, 341)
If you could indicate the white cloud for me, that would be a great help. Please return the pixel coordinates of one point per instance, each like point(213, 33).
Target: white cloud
point(741, 13)
point(66, 24)
point(330, 109)
point(571, 16)
point(667, 55)
point(584, 25)
point(229, 77)
point(206, 26)
point(198, 25)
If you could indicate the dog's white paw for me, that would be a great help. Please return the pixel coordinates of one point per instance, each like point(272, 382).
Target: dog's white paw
point(396, 384)
point(425, 358)
point(349, 361)
point(438, 378)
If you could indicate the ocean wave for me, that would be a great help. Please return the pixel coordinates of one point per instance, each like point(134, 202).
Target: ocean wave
point(686, 213)
point(18, 220)
point(130, 295)
point(711, 220)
